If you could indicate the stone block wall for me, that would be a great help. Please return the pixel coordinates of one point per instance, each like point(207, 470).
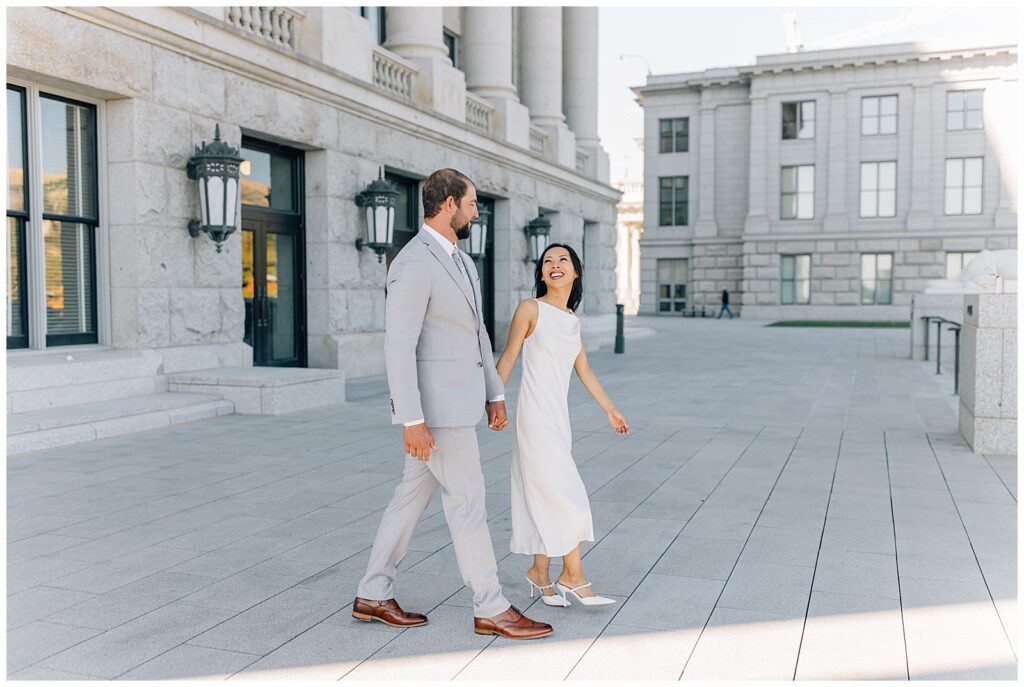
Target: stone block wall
point(988, 381)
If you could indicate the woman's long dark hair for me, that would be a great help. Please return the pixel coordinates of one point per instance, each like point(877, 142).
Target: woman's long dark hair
point(576, 295)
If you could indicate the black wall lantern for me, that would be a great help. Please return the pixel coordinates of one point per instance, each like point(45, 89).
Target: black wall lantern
point(537, 232)
point(476, 244)
point(381, 202)
point(215, 167)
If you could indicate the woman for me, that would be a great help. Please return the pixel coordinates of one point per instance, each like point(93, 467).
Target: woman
point(550, 509)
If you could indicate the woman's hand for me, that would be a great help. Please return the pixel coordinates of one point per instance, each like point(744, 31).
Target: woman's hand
point(618, 423)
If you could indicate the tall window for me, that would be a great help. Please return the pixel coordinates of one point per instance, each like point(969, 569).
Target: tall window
point(798, 192)
point(675, 135)
point(65, 215)
point(451, 42)
point(876, 279)
point(378, 28)
point(956, 262)
point(673, 201)
point(878, 189)
point(878, 115)
point(798, 119)
point(963, 186)
point(672, 285)
point(796, 279)
point(963, 110)
point(17, 216)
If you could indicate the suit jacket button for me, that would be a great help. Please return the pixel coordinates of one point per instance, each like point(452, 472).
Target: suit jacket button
point(480, 364)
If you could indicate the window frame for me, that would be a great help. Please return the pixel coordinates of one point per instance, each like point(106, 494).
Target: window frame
point(454, 49)
point(800, 120)
point(794, 279)
point(961, 255)
point(676, 205)
point(963, 111)
point(35, 264)
point(672, 300)
point(796, 193)
point(963, 187)
point(878, 190)
point(875, 280)
point(21, 218)
point(878, 116)
point(678, 127)
point(382, 32)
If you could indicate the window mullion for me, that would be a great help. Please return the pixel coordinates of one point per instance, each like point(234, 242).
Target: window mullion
point(35, 254)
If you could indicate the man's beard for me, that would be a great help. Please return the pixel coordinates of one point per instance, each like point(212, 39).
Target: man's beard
point(461, 233)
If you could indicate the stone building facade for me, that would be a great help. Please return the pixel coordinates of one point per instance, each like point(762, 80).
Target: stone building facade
point(826, 185)
point(319, 99)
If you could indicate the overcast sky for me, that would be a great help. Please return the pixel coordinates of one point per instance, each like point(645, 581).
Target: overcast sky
point(683, 39)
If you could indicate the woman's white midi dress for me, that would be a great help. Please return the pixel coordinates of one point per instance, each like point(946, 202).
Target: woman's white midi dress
point(550, 508)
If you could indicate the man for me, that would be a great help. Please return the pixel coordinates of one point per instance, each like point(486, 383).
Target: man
point(725, 304)
point(440, 373)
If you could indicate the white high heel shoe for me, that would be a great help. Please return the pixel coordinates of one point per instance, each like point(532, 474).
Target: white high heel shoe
point(585, 600)
point(553, 600)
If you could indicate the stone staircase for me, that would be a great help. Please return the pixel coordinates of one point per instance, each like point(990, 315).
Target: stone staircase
point(57, 399)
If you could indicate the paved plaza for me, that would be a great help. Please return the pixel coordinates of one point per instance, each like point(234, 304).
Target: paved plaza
point(790, 503)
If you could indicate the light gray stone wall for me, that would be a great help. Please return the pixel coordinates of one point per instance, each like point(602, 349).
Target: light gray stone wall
point(163, 95)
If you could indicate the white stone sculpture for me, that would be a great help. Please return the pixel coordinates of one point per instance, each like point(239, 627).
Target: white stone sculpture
point(990, 271)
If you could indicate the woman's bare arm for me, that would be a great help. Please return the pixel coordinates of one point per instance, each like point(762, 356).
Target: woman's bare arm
point(589, 379)
point(523, 322)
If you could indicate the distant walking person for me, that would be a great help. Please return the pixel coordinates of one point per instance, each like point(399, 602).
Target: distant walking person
point(725, 304)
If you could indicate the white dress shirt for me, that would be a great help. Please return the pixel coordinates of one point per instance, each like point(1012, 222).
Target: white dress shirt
point(451, 249)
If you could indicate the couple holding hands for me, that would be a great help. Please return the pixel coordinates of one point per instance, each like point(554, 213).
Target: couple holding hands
point(441, 375)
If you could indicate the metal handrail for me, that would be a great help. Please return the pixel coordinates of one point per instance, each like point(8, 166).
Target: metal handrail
point(953, 327)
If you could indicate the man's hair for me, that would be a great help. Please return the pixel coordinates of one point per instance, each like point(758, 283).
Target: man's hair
point(441, 184)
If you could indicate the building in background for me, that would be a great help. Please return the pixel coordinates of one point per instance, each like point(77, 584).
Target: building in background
point(830, 184)
point(109, 297)
point(629, 229)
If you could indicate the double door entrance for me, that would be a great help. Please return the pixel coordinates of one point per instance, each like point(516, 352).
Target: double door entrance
point(273, 255)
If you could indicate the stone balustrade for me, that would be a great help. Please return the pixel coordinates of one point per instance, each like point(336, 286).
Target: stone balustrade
point(279, 25)
point(538, 140)
point(581, 160)
point(393, 74)
point(478, 113)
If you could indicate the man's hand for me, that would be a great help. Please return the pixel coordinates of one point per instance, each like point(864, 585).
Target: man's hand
point(497, 419)
point(418, 441)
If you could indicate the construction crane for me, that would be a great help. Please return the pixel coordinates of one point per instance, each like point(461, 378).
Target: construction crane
point(858, 36)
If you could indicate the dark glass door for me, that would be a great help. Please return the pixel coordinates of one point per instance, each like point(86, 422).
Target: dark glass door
point(273, 255)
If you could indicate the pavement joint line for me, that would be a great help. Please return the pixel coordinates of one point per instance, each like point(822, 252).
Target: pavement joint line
point(993, 468)
point(507, 554)
point(896, 551)
point(676, 537)
point(1002, 623)
point(700, 634)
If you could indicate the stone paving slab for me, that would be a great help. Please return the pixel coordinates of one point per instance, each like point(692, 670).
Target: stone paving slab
point(790, 504)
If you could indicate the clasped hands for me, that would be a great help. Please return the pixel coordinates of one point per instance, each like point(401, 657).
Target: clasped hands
point(418, 441)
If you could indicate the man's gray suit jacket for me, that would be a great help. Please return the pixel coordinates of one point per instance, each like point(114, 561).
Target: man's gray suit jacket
point(438, 356)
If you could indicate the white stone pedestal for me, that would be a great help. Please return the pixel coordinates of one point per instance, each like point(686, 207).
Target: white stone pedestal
point(988, 373)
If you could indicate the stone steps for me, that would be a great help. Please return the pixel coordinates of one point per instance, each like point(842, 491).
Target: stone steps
point(56, 380)
point(53, 427)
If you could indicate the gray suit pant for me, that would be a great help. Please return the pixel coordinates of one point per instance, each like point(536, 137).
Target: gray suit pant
point(454, 466)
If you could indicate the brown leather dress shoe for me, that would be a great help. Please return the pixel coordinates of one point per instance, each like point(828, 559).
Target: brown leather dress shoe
point(387, 612)
point(512, 625)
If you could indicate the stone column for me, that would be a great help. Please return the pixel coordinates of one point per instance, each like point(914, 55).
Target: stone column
point(579, 85)
point(920, 215)
point(836, 218)
point(1000, 114)
point(757, 219)
point(540, 78)
point(487, 47)
point(416, 33)
point(540, 58)
point(706, 226)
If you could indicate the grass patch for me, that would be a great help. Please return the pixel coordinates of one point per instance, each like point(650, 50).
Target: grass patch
point(856, 324)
